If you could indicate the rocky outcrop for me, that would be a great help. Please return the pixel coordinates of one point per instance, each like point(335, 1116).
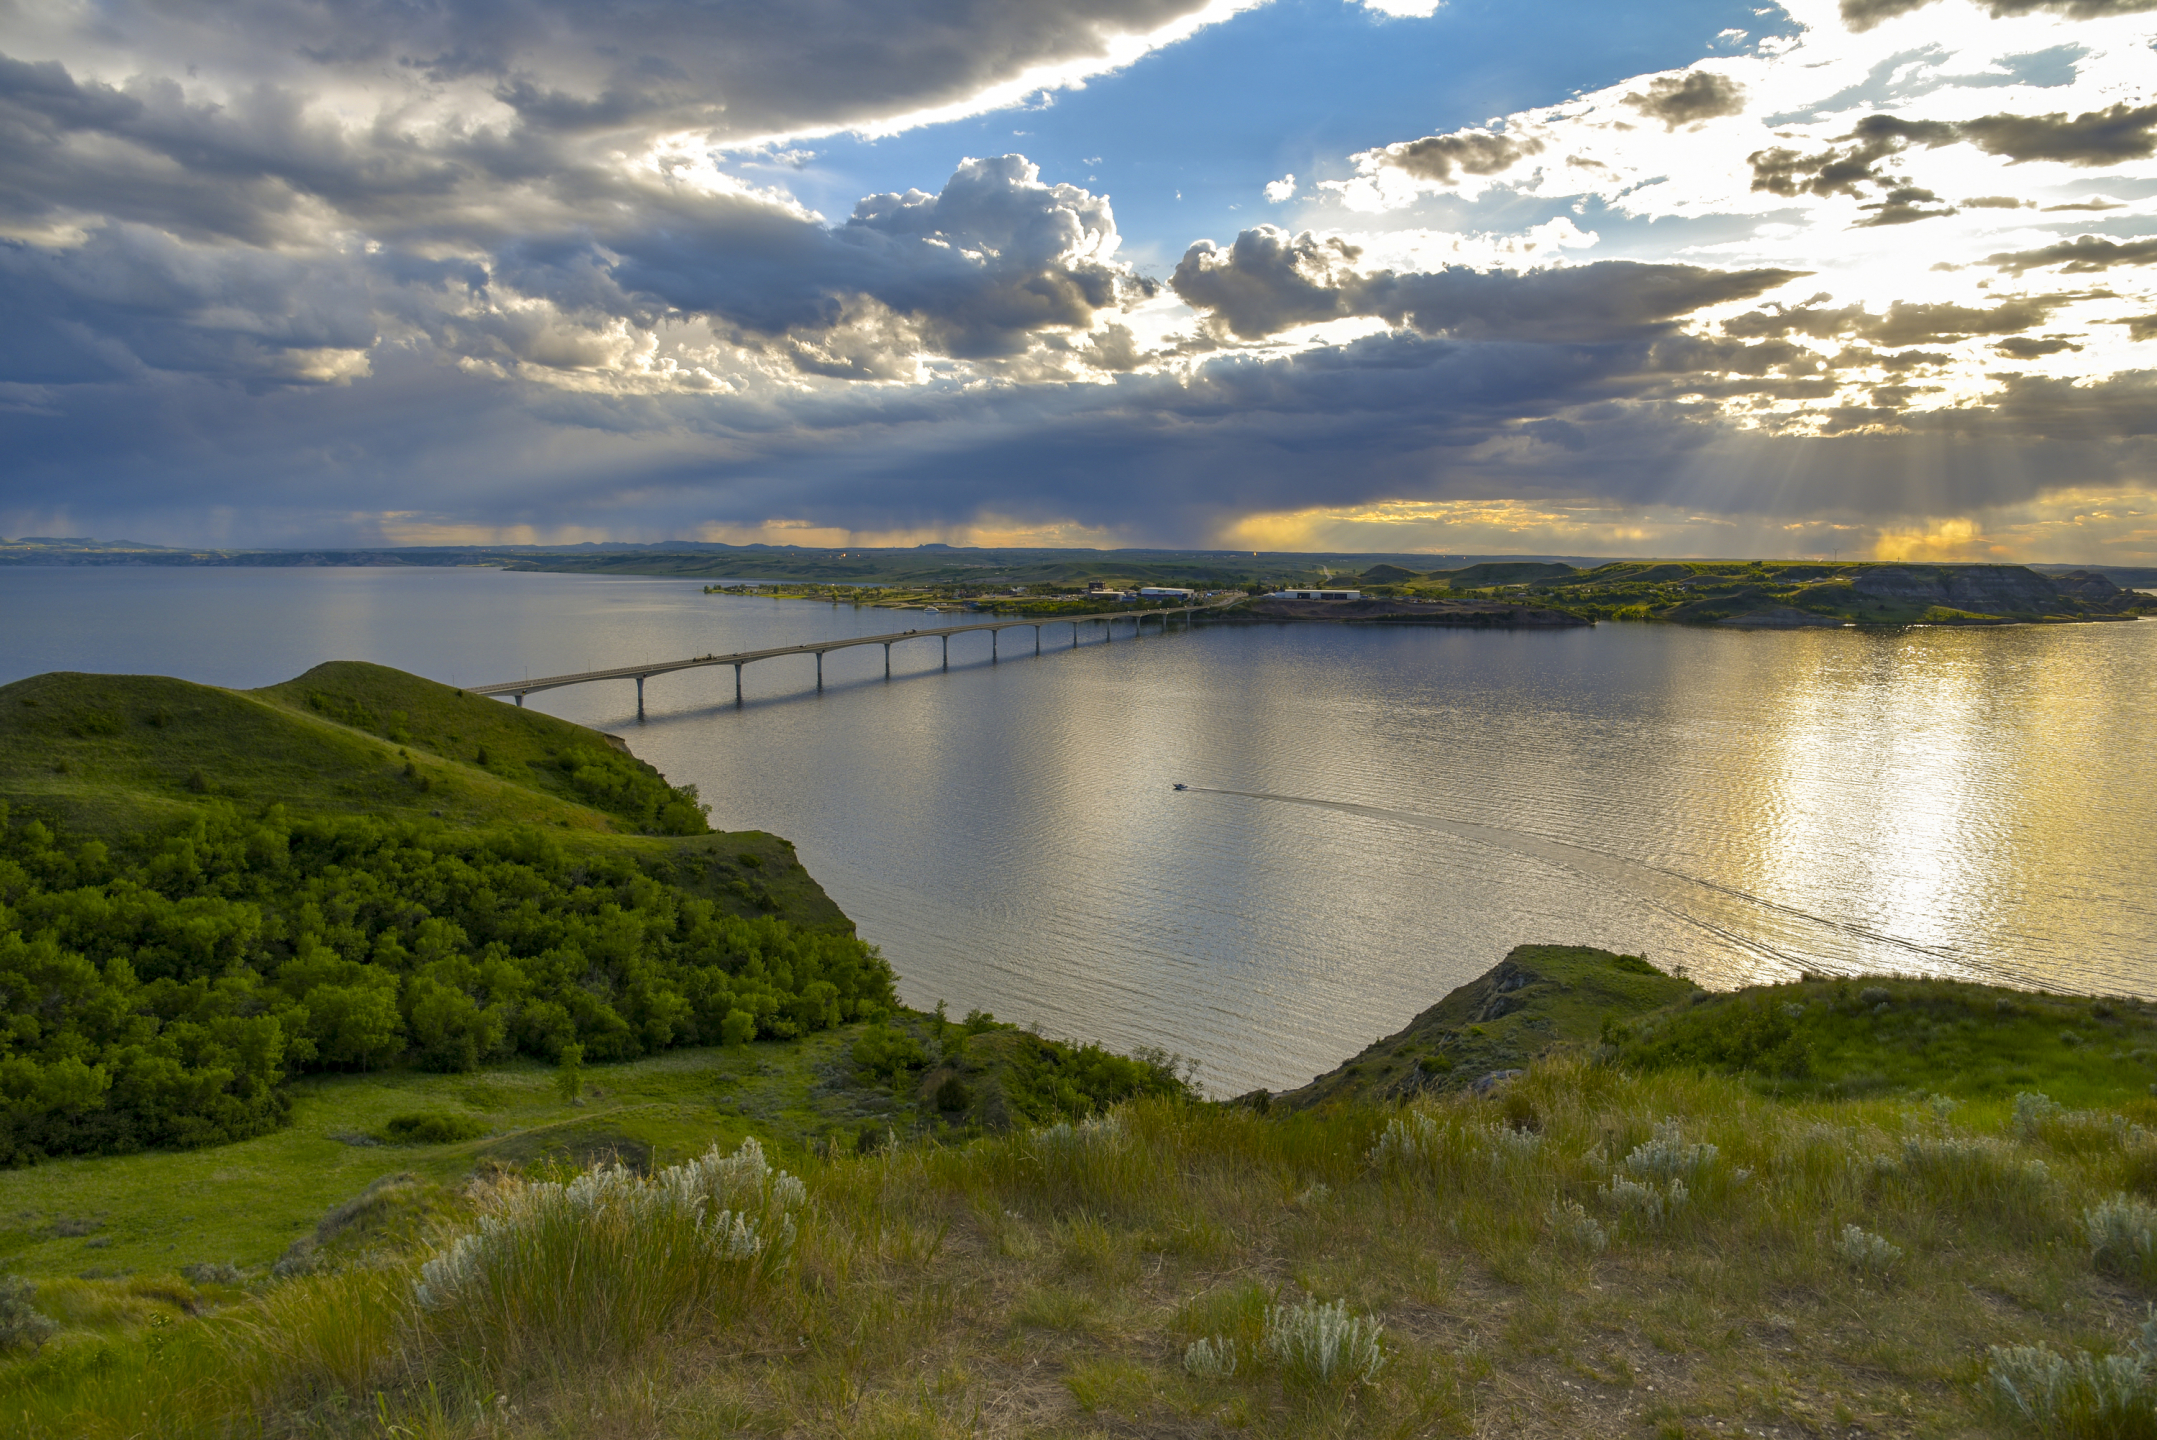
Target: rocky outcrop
point(1539, 998)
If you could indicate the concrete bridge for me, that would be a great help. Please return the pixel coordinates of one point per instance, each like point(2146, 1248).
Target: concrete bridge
point(819, 648)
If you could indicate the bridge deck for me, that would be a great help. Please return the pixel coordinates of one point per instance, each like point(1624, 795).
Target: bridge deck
point(814, 647)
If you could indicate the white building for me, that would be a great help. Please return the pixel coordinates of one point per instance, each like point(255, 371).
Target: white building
point(1316, 595)
point(1164, 592)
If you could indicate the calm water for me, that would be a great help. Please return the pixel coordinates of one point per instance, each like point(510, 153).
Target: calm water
point(1376, 815)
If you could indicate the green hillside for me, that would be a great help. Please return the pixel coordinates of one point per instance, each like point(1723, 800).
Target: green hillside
point(204, 892)
point(1770, 594)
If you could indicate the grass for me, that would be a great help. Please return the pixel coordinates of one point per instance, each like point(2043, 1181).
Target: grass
point(1819, 1037)
point(1815, 1279)
point(248, 1203)
point(116, 755)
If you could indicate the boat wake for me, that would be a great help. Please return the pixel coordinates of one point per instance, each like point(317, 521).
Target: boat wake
point(1762, 928)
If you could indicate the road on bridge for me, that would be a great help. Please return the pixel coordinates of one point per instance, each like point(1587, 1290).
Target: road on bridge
point(818, 648)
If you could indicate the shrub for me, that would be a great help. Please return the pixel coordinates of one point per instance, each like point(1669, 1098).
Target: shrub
point(1211, 1358)
point(1649, 1203)
point(1574, 1227)
point(1866, 1251)
point(211, 1272)
point(2123, 1237)
point(888, 1053)
point(1320, 1344)
point(22, 1325)
point(432, 1128)
point(953, 1094)
point(2032, 1111)
point(2082, 1395)
point(1667, 1156)
point(606, 1261)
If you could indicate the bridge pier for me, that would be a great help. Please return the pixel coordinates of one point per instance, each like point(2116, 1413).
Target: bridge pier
point(947, 652)
point(640, 697)
point(820, 667)
point(1037, 639)
point(737, 684)
point(520, 699)
point(995, 646)
point(887, 659)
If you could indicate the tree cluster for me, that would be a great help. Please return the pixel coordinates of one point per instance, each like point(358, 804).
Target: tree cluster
point(159, 994)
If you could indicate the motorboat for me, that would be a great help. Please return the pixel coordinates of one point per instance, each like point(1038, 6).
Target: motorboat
point(1181, 786)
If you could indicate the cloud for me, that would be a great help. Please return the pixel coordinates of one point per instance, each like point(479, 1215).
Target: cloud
point(2083, 255)
point(1688, 99)
point(1904, 322)
point(2100, 137)
point(1404, 9)
point(1863, 15)
point(1267, 281)
point(733, 69)
point(1443, 158)
point(1282, 189)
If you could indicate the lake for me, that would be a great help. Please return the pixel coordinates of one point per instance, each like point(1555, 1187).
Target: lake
point(1377, 815)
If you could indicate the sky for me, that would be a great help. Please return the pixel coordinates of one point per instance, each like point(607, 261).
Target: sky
point(1840, 278)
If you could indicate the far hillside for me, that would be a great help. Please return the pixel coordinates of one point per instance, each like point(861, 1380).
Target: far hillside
point(1764, 594)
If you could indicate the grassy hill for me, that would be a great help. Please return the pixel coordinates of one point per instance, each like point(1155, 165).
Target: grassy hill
point(205, 892)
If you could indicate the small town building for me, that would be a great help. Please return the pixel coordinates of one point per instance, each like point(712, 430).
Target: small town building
point(1317, 595)
point(1164, 592)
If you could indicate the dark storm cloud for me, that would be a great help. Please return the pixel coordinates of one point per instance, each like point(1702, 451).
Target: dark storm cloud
point(733, 67)
point(1398, 416)
point(131, 299)
point(1687, 99)
point(1444, 158)
point(973, 272)
point(1267, 281)
point(2083, 255)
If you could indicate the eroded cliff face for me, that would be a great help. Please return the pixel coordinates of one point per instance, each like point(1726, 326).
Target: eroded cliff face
point(1984, 589)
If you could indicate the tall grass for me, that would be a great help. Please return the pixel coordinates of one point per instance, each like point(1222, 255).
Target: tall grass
point(1388, 1271)
point(607, 1261)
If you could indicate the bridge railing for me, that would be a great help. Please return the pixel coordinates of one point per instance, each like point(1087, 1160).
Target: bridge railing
point(819, 648)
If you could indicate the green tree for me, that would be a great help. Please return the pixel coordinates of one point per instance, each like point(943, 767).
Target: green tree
point(569, 1074)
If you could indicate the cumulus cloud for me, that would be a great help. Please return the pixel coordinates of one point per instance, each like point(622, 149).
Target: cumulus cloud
point(1282, 189)
point(1688, 99)
point(1465, 152)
